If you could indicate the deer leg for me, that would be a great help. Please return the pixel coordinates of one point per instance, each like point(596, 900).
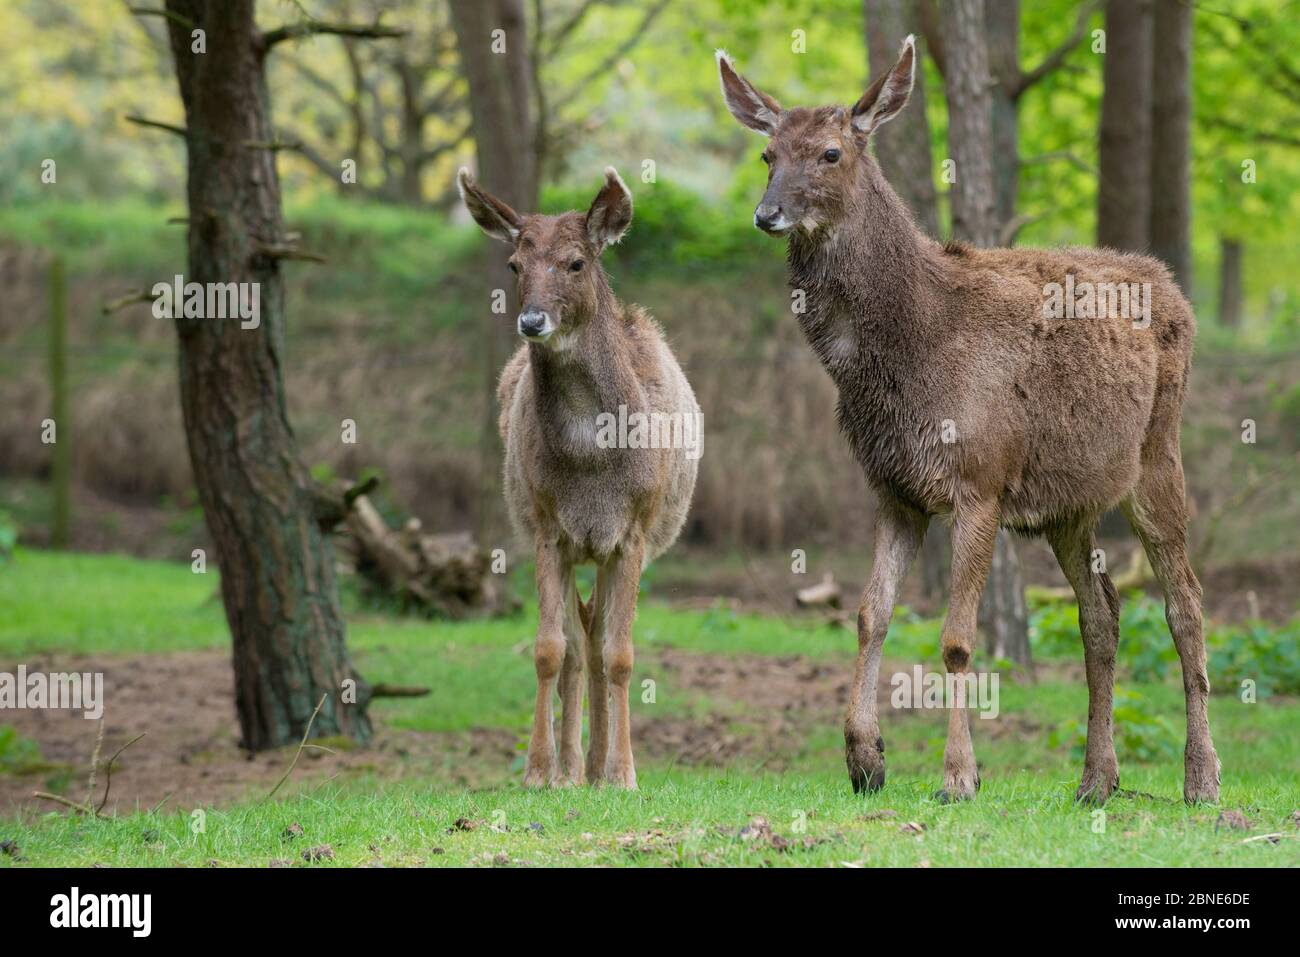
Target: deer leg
point(548, 657)
point(1099, 629)
point(1157, 511)
point(625, 580)
point(571, 770)
point(597, 687)
point(900, 529)
point(974, 530)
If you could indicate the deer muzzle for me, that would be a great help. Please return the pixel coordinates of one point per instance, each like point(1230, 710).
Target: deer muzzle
point(536, 325)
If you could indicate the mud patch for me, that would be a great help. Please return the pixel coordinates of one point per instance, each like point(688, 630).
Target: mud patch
point(754, 709)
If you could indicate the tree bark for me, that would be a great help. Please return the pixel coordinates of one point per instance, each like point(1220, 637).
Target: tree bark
point(500, 96)
point(1002, 615)
point(903, 150)
point(277, 566)
point(970, 127)
point(500, 100)
point(1124, 140)
point(1002, 20)
point(903, 145)
point(1171, 108)
point(970, 140)
point(1230, 282)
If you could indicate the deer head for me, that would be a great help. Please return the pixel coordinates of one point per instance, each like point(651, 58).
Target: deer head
point(556, 259)
point(813, 156)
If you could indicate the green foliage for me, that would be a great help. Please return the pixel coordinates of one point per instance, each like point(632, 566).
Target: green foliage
point(8, 535)
point(1267, 655)
point(18, 755)
point(674, 229)
point(1140, 734)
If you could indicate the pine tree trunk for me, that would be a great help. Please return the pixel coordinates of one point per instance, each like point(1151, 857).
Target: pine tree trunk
point(903, 149)
point(1230, 282)
point(1002, 616)
point(277, 566)
point(970, 127)
point(970, 140)
point(903, 144)
point(1003, 32)
point(1124, 142)
point(1171, 110)
point(501, 102)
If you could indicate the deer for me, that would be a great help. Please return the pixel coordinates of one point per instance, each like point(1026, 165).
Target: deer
point(577, 489)
point(962, 400)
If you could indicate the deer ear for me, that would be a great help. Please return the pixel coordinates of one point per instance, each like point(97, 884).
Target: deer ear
point(611, 211)
point(493, 216)
point(889, 93)
point(752, 107)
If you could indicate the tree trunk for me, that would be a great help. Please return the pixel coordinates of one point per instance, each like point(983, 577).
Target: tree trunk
point(1002, 615)
point(903, 144)
point(1230, 282)
point(500, 100)
point(1171, 109)
point(970, 140)
point(277, 566)
point(1124, 147)
point(903, 149)
point(1002, 20)
point(970, 127)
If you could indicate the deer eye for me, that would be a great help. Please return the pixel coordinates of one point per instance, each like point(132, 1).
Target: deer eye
point(831, 156)
point(514, 268)
point(766, 158)
point(576, 265)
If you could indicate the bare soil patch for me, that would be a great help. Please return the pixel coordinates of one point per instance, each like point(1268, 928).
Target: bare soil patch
point(761, 710)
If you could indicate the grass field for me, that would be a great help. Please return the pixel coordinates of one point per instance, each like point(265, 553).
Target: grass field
point(739, 751)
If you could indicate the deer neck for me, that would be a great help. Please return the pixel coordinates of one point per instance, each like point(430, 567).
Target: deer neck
point(864, 281)
point(588, 374)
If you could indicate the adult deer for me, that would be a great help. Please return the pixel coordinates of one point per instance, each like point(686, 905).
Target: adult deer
point(960, 398)
point(578, 489)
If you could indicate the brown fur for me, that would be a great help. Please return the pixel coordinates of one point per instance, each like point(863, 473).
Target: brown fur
point(574, 500)
point(1055, 420)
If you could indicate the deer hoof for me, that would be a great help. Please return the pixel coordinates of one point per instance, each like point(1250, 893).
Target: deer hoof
point(958, 788)
point(1201, 784)
point(1097, 787)
point(866, 764)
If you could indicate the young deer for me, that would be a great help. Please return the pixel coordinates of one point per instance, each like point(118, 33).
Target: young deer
point(576, 495)
point(960, 399)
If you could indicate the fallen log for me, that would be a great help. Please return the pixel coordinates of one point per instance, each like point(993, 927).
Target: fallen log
point(442, 575)
point(825, 592)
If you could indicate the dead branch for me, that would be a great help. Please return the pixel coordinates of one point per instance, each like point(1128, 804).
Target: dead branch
point(294, 31)
point(157, 125)
point(46, 795)
point(94, 762)
point(273, 145)
point(825, 592)
point(383, 690)
point(1054, 59)
point(130, 299)
point(1011, 228)
point(1055, 155)
point(108, 770)
point(630, 41)
point(330, 508)
point(301, 744)
point(172, 15)
point(288, 251)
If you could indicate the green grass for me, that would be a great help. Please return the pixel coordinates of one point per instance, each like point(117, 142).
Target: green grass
point(683, 818)
point(482, 676)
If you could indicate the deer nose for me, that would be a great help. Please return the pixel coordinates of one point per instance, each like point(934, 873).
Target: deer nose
point(767, 216)
point(535, 323)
